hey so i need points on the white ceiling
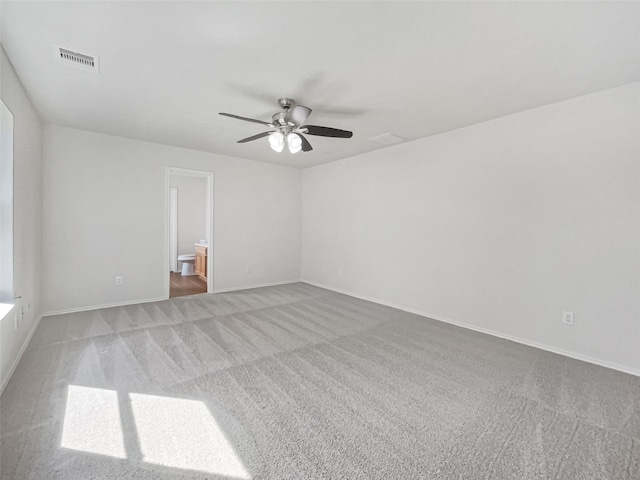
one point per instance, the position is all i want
(411, 68)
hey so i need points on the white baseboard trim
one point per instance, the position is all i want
(20, 353)
(529, 343)
(159, 299)
(257, 285)
(107, 305)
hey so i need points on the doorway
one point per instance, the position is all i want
(189, 232)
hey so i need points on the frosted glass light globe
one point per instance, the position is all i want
(295, 142)
(276, 140)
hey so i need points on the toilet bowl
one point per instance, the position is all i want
(187, 264)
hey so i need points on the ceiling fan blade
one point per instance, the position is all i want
(306, 146)
(255, 137)
(327, 131)
(246, 119)
(298, 115)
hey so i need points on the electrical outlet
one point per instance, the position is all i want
(118, 280)
(248, 269)
(339, 272)
(567, 318)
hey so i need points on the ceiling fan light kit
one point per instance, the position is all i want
(294, 142)
(289, 126)
(276, 140)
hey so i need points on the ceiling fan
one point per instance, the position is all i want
(288, 127)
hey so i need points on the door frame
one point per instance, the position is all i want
(187, 172)
(173, 229)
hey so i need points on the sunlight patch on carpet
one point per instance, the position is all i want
(180, 433)
(92, 422)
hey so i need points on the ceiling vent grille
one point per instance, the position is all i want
(387, 139)
(82, 61)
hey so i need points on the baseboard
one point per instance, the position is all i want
(159, 299)
(107, 305)
(257, 285)
(529, 343)
(20, 353)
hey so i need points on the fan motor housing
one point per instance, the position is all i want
(278, 118)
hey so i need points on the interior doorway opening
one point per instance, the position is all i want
(189, 232)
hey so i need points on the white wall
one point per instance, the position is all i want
(6, 210)
(104, 215)
(27, 217)
(192, 211)
(500, 226)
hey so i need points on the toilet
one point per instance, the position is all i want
(187, 264)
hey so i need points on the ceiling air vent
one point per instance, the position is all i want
(387, 139)
(79, 60)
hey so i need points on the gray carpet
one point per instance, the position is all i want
(298, 382)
